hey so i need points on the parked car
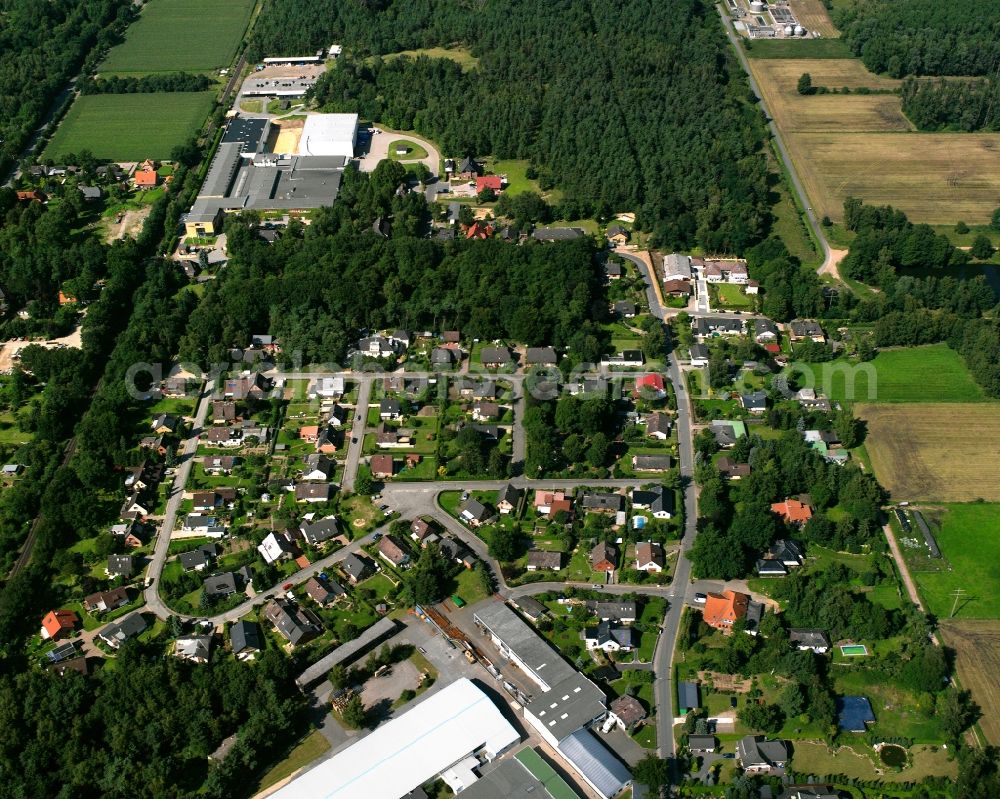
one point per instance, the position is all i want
(700, 598)
(286, 587)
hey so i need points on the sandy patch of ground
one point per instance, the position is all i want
(10, 348)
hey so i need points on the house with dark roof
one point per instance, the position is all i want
(806, 330)
(755, 402)
(758, 755)
(324, 592)
(627, 712)
(658, 500)
(604, 557)
(651, 463)
(610, 637)
(658, 425)
(540, 356)
(420, 529)
(613, 271)
(313, 492)
(474, 513)
(788, 552)
(197, 559)
(509, 498)
(315, 533)
(496, 357)
(293, 623)
(805, 638)
(698, 744)
(771, 568)
(557, 233)
(117, 633)
(709, 326)
(103, 601)
(730, 470)
(765, 331)
(699, 355)
(624, 309)
(687, 697)
(609, 504)
(540, 559)
(624, 611)
(391, 550)
(245, 639)
(616, 234)
(356, 568)
(221, 584)
(120, 566)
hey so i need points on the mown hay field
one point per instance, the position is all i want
(181, 36)
(977, 648)
(813, 16)
(862, 145)
(937, 452)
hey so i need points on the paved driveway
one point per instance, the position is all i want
(376, 148)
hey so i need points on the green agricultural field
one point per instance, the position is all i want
(181, 36)
(966, 537)
(130, 127)
(933, 373)
(798, 48)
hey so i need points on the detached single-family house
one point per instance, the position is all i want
(219, 464)
(721, 611)
(474, 513)
(293, 623)
(117, 633)
(650, 386)
(651, 463)
(610, 637)
(603, 503)
(676, 267)
(389, 408)
(509, 498)
(223, 412)
(755, 402)
(658, 426)
(788, 552)
(765, 331)
(390, 550)
(806, 330)
(624, 309)
(324, 592)
(758, 755)
(496, 357)
(613, 271)
(557, 233)
(805, 638)
(381, 466)
(420, 530)
(770, 568)
(543, 560)
(103, 601)
(318, 468)
(657, 500)
(792, 511)
(313, 492)
(318, 532)
(485, 411)
(699, 744)
(275, 547)
(604, 557)
(120, 566)
(205, 525)
(195, 648)
(245, 639)
(730, 470)
(197, 559)
(221, 584)
(356, 568)
(699, 355)
(616, 234)
(708, 326)
(687, 697)
(58, 623)
(626, 712)
(649, 557)
(540, 356)
(624, 611)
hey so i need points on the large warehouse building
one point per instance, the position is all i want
(440, 736)
(568, 703)
(329, 134)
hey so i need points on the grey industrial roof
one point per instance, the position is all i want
(546, 664)
(509, 780)
(571, 704)
(245, 130)
(381, 629)
(602, 769)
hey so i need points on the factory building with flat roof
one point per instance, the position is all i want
(568, 704)
(440, 736)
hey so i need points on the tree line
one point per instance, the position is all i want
(923, 37)
(147, 84)
(660, 124)
(42, 46)
(966, 105)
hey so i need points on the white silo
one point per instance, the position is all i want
(800, 31)
(789, 30)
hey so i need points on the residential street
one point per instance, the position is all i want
(356, 440)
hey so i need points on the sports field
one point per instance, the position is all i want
(181, 36)
(933, 373)
(938, 452)
(968, 539)
(977, 648)
(862, 145)
(130, 127)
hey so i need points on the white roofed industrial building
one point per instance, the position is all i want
(434, 737)
(329, 134)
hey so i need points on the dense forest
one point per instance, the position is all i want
(966, 105)
(637, 105)
(318, 287)
(169, 82)
(923, 37)
(42, 46)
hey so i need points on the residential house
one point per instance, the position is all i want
(604, 557)
(117, 633)
(197, 559)
(532, 608)
(758, 755)
(806, 330)
(650, 386)
(205, 525)
(540, 356)
(324, 592)
(145, 178)
(676, 267)
(451, 337)
(474, 513)
(727, 433)
(132, 533)
(540, 559)
(725, 272)
(508, 499)
(658, 426)
(205, 500)
(687, 697)
(329, 440)
(617, 234)
(651, 463)
(701, 744)
(378, 347)
(485, 411)
(420, 530)
(496, 357)
(220, 585)
(103, 601)
(624, 309)
(326, 388)
(382, 466)
(708, 326)
(195, 649)
(603, 503)
(356, 568)
(676, 288)
(275, 547)
(730, 470)
(805, 638)
(223, 411)
(254, 386)
(624, 358)
(391, 550)
(755, 402)
(699, 355)
(765, 331)
(792, 511)
(613, 271)
(219, 464)
(624, 611)
(626, 712)
(58, 623)
(549, 503)
(133, 508)
(164, 424)
(245, 639)
(226, 437)
(120, 566)
(318, 467)
(319, 532)
(610, 637)
(389, 408)
(770, 568)
(557, 233)
(721, 611)
(313, 492)
(442, 357)
(293, 623)
(649, 557)
(658, 500)
(492, 182)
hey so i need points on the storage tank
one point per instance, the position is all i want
(789, 30)
(800, 31)
(756, 6)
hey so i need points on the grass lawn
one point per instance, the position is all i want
(898, 712)
(797, 48)
(972, 552)
(469, 587)
(310, 748)
(811, 757)
(733, 296)
(181, 36)
(933, 373)
(790, 228)
(413, 150)
(380, 584)
(517, 179)
(460, 55)
(129, 127)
